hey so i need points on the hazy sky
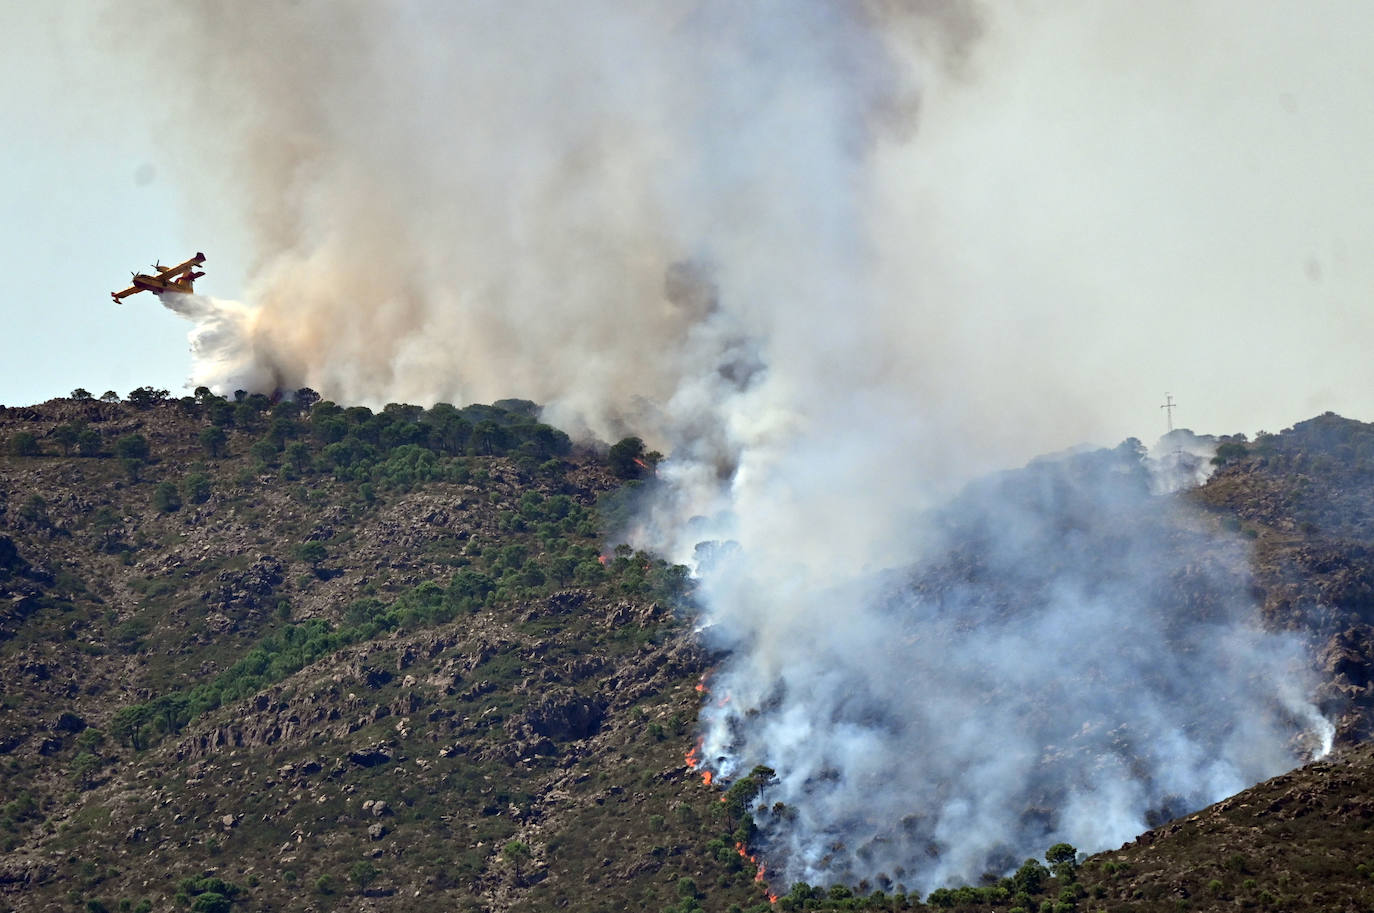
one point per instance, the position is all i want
(1141, 198)
(86, 199)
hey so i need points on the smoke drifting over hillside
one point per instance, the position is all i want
(777, 239)
(1072, 661)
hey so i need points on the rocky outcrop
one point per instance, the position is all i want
(561, 717)
(249, 589)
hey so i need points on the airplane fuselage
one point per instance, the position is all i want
(176, 279)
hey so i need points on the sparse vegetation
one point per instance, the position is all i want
(220, 662)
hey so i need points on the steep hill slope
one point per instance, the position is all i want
(367, 659)
(1305, 497)
(260, 657)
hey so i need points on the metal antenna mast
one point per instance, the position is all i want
(1168, 408)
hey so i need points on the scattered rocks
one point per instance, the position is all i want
(249, 589)
(68, 722)
(561, 717)
(369, 757)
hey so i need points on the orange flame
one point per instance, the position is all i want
(691, 757)
(603, 560)
(762, 870)
(706, 777)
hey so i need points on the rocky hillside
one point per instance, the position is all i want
(260, 658)
(1306, 499)
(295, 656)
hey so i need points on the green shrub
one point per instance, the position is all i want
(196, 488)
(166, 498)
(132, 447)
(23, 444)
(363, 873)
(89, 443)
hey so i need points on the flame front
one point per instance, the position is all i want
(691, 758)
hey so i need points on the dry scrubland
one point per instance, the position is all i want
(259, 657)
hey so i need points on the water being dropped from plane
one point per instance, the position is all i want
(221, 343)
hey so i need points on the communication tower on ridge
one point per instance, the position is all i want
(1168, 408)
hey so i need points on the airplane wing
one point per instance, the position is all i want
(168, 272)
(131, 290)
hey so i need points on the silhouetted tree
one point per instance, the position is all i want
(146, 397)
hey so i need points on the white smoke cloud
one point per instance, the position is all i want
(1074, 660)
(837, 258)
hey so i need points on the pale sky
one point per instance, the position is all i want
(86, 201)
(1207, 168)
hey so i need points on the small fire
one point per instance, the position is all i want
(706, 777)
(701, 686)
(691, 757)
(762, 870)
(603, 560)
(643, 465)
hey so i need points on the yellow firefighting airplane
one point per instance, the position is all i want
(165, 279)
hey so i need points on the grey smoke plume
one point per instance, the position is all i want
(1071, 660)
(783, 240)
